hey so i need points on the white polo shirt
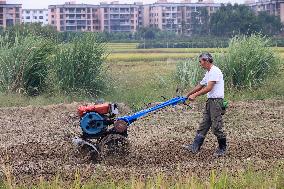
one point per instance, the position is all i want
(214, 74)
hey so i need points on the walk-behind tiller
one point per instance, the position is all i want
(105, 133)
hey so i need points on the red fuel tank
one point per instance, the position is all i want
(99, 108)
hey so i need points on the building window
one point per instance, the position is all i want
(61, 10)
(52, 22)
(28, 12)
(17, 15)
(28, 17)
(40, 12)
(35, 17)
(61, 16)
(40, 17)
(52, 10)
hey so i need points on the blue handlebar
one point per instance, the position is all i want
(172, 102)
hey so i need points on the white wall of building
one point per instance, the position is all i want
(35, 16)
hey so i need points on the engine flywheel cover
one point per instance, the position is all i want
(92, 123)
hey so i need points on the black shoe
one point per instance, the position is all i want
(222, 147)
(197, 143)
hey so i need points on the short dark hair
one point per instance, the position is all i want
(206, 57)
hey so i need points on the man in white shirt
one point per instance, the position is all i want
(213, 85)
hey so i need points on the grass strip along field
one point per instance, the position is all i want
(137, 57)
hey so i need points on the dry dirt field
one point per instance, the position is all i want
(36, 142)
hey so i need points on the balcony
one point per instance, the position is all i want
(70, 18)
(124, 17)
(9, 16)
(114, 18)
(71, 24)
(81, 23)
(81, 18)
(70, 12)
(111, 12)
(124, 12)
(71, 28)
(124, 23)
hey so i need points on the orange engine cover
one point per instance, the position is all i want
(99, 108)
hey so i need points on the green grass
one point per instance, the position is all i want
(122, 45)
(140, 82)
(165, 50)
(135, 57)
(137, 83)
(241, 180)
(142, 78)
(131, 47)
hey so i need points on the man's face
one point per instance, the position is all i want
(202, 63)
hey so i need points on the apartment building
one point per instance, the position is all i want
(74, 17)
(114, 17)
(117, 17)
(10, 14)
(273, 7)
(166, 16)
(175, 17)
(35, 16)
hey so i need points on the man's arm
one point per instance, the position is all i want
(203, 91)
(195, 89)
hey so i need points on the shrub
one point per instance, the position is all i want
(248, 61)
(78, 66)
(23, 64)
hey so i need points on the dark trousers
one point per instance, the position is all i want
(212, 117)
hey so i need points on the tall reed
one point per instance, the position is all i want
(188, 73)
(24, 64)
(78, 66)
(248, 61)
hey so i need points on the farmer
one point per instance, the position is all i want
(213, 85)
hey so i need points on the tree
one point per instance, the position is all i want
(200, 22)
(231, 20)
(269, 24)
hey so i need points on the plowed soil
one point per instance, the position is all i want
(35, 142)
